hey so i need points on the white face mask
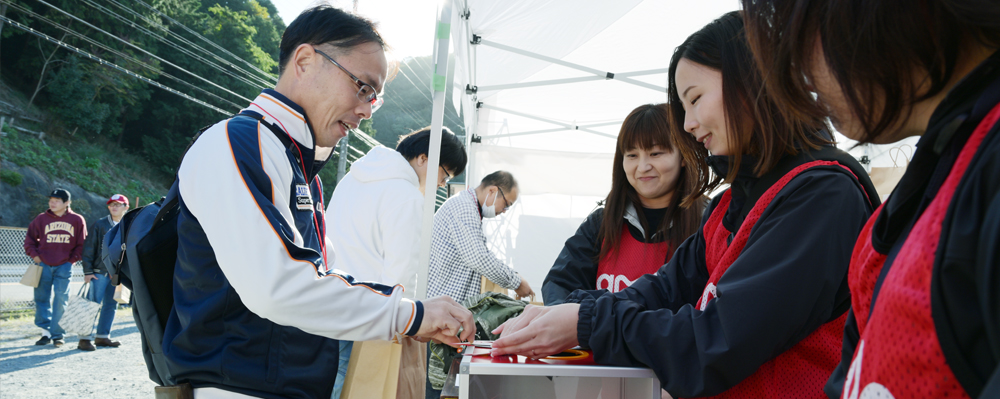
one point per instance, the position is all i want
(490, 211)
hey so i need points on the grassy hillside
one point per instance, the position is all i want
(96, 166)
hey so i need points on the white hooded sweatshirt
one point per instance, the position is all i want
(373, 220)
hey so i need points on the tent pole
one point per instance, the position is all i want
(438, 85)
(543, 119)
(607, 75)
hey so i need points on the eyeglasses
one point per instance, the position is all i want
(447, 175)
(366, 93)
(116, 204)
(509, 204)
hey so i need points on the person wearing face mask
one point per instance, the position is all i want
(375, 212)
(924, 320)
(655, 203)
(459, 256)
(753, 305)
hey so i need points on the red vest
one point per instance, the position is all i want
(802, 371)
(618, 269)
(899, 354)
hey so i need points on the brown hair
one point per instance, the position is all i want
(880, 52)
(645, 127)
(755, 125)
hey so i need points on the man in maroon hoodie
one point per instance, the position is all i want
(54, 241)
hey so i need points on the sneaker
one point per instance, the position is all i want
(85, 345)
(57, 342)
(106, 342)
(43, 341)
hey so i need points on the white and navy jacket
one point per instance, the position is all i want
(255, 309)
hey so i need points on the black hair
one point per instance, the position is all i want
(885, 55)
(417, 143)
(502, 179)
(326, 25)
(755, 125)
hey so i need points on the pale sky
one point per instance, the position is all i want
(406, 25)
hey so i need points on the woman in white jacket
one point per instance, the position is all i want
(373, 219)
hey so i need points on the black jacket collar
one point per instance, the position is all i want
(949, 128)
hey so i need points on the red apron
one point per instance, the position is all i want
(899, 354)
(802, 371)
(618, 269)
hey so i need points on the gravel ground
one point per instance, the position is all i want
(30, 371)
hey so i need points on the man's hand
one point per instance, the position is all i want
(88, 277)
(443, 318)
(524, 290)
(538, 331)
(37, 260)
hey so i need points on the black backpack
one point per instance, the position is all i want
(141, 252)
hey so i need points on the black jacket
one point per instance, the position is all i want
(92, 251)
(576, 266)
(965, 285)
(790, 278)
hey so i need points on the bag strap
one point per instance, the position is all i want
(280, 134)
(84, 290)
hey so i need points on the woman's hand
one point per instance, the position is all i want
(538, 331)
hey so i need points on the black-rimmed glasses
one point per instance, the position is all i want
(506, 208)
(366, 93)
(447, 175)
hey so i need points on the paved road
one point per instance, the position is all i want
(28, 371)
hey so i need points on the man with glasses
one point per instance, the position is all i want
(459, 256)
(374, 217)
(258, 307)
(95, 273)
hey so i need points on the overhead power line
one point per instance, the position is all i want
(260, 82)
(109, 64)
(177, 47)
(123, 55)
(203, 38)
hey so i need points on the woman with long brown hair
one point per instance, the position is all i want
(658, 180)
(754, 304)
(925, 287)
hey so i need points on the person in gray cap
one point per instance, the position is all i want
(54, 241)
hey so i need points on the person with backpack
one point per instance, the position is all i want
(651, 209)
(96, 273)
(257, 306)
(374, 217)
(753, 305)
(925, 287)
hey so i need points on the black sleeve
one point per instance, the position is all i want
(835, 385)
(788, 281)
(988, 277)
(576, 266)
(91, 249)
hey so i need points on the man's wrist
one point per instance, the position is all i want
(409, 317)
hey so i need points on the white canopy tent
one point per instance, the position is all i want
(543, 86)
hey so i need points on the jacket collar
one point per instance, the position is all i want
(949, 128)
(740, 188)
(632, 217)
(289, 116)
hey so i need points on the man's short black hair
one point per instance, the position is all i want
(417, 143)
(502, 179)
(326, 25)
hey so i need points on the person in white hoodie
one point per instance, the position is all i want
(373, 219)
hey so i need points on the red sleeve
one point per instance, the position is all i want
(77, 253)
(31, 239)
